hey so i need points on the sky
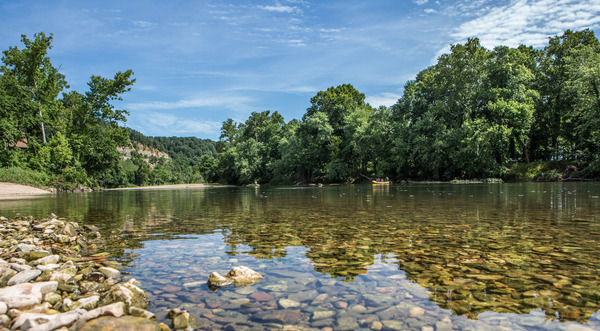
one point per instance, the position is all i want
(198, 63)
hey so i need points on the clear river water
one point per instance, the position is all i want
(513, 256)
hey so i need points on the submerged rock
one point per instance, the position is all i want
(238, 276)
(125, 323)
(216, 280)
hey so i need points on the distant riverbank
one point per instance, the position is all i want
(9, 191)
(167, 187)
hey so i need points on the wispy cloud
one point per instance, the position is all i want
(280, 9)
(383, 99)
(201, 62)
(235, 103)
(172, 125)
(529, 22)
(144, 25)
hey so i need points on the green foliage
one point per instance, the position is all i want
(513, 113)
(539, 170)
(32, 70)
(23, 176)
(474, 114)
(74, 138)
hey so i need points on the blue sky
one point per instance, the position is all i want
(198, 63)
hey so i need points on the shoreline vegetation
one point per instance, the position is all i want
(14, 190)
(533, 172)
(512, 113)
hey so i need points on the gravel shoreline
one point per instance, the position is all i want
(52, 277)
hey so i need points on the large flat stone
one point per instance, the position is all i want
(36, 321)
(24, 277)
(21, 296)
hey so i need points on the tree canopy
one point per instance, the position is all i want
(475, 113)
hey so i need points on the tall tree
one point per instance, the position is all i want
(583, 84)
(553, 136)
(337, 103)
(32, 69)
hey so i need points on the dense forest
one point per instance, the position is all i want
(476, 113)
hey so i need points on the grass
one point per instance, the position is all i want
(24, 177)
(539, 170)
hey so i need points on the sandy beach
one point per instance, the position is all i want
(17, 191)
(9, 191)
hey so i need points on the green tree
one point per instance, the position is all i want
(553, 133)
(312, 147)
(336, 103)
(583, 84)
(32, 69)
(95, 123)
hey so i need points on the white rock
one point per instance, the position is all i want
(110, 272)
(3, 308)
(60, 276)
(67, 265)
(21, 296)
(239, 276)
(18, 260)
(50, 259)
(215, 279)
(25, 248)
(116, 309)
(24, 277)
(89, 302)
(68, 303)
(46, 287)
(5, 320)
(287, 303)
(19, 267)
(48, 267)
(33, 321)
(417, 312)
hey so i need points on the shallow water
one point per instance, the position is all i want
(472, 256)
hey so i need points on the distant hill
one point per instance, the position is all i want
(183, 150)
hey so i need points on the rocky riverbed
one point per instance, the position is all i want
(52, 277)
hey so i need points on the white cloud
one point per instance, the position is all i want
(430, 11)
(529, 22)
(144, 25)
(280, 9)
(172, 125)
(238, 103)
(420, 2)
(383, 99)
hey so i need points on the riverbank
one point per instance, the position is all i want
(54, 274)
(164, 187)
(18, 191)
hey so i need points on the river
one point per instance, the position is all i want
(516, 256)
